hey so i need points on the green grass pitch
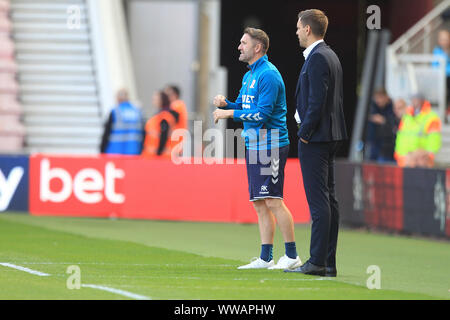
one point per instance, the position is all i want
(182, 260)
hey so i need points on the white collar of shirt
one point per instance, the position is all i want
(310, 48)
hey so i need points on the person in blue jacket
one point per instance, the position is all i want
(261, 106)
(124, 130)
(443, 50)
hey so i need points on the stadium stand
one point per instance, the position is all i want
(409, 69)
(56, 74)
(11, 130)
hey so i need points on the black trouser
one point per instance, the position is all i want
(448, 91)
(317, 161)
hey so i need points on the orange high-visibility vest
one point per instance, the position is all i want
(418, 132)
(180, 107)
(153, 135)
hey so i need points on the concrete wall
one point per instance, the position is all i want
(164, 47)
(111, 45)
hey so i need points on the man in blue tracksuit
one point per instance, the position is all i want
(261, 106)
(124, 129)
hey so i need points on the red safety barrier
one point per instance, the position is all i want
(137, 188)
(447, 222)
(383, 190)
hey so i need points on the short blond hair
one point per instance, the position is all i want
(260, 36)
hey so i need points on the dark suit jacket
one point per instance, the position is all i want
(319, 97)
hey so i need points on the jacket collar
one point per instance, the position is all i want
(307, 52)
(124, 104)
(426, 108)
(258, 62)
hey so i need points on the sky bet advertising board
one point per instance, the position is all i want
(13, 183)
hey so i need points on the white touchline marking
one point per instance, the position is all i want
(127, 264)
(117, 291)
(93, 286)
(37, 273)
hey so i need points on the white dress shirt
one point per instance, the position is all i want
(310, 48)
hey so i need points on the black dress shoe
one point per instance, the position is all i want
(309, 268)
(330, 272)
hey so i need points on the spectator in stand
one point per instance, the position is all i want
(380, 138)
(443, 50)
(400, 106)
(124, 130)
(419, 135)
(159, 128)
(387, 132)
(399, 111)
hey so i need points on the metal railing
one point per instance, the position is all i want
(410, 66)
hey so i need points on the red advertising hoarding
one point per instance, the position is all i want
(447, 218)
(76, 186)
(137, 188)
(383, 193)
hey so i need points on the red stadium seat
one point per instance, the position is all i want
(9, 105)
(5, 25)
(6, 47)
(4, 6)
(8, 65)
(8, 84)
(8, 121)
(11, 133)
(11, 142)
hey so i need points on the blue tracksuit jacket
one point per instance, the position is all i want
(261, 104)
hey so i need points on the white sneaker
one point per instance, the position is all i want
(258, 263)
(286, 263)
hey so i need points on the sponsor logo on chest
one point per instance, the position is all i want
(247, 100)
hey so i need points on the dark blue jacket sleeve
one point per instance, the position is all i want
(319, 77)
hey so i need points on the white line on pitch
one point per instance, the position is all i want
(37, 273)
(93, 286)
(128, 264)
(117, 291)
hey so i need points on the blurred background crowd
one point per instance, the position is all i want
(119, 76)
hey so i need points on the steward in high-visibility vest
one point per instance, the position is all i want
(419, 130)
(178, 105)
(124, 130)
(158, 129)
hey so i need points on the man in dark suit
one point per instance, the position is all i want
(322, 128)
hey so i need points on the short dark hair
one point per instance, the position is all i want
(316, 19)
(165, 102)
(175, 89)
(380, 91)
(260, 36)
